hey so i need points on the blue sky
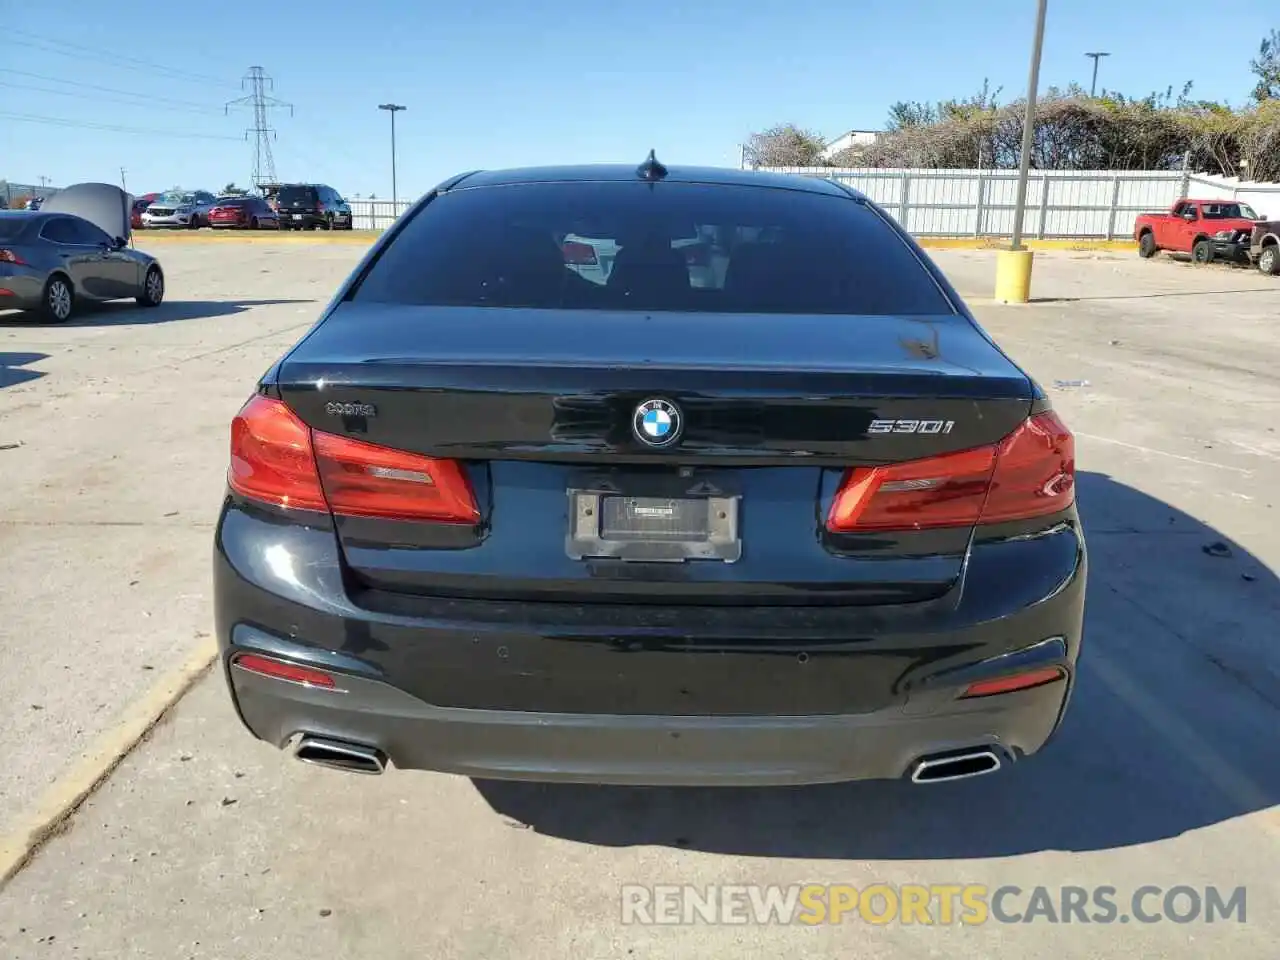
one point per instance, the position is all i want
(508, 83)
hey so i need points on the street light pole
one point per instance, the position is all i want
(393, 109)
(1098, 55)
(1028, 126)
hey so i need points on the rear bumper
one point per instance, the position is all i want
(26, 288)
(288, 219)
(280, 590)
(608, 748)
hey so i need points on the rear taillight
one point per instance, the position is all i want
(579, 254)
(365, 480)
(271, 457)
(278, 459)
(9, 256)
(1030, 473)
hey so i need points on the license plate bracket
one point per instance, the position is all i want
(651, 519)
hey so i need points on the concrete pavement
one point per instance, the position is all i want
(205, 843)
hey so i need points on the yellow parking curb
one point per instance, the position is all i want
(36, 824)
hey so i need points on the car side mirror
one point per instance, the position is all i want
(120, 243)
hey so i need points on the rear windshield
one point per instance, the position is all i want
(233, 202)
(664, 247)
(293, 194)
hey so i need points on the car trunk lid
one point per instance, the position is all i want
(536, 403)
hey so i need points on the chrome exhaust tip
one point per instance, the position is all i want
(956, 766)
(340, 755)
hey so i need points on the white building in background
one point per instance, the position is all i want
(854, 138)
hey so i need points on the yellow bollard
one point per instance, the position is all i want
(1013, 276)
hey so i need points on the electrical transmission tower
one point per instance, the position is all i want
(258, 83)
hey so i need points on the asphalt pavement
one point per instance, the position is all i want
(205, 843)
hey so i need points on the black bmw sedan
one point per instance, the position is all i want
(498, 515)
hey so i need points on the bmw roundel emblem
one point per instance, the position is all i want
(657, 423)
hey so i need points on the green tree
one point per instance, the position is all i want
(1266, 67)
(785, 145)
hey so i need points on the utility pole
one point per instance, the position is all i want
(123, 185)
(393, 109)
(258, 83)
(1097, 55)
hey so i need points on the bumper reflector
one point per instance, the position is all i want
(1018, 681)
(283, 670)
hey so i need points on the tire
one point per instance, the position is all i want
(152, 288)
(193, 223)
(1147, 245)
(58, 302)
(253, 223)
(1269, 260)
(1202, 252)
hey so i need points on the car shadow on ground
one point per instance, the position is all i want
(12, 366)
(122, 313)
(1172, 728)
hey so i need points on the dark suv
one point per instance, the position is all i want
(305, 206)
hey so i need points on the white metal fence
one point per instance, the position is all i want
(376, 214)
(1263, 197)
(1099, 204)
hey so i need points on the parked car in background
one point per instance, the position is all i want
(75, 249)
(34, 203)
(1206, 229)
(306, 206)
(270, 192)
(1264, 246)
(245, 213)
(186, 208)
(140, 204)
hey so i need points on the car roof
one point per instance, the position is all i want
(621, 172)
(34, 218)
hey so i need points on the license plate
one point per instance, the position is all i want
(295, 216)
(604, 524)
(652, 518)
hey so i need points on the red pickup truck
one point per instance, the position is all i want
(1206, 229)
